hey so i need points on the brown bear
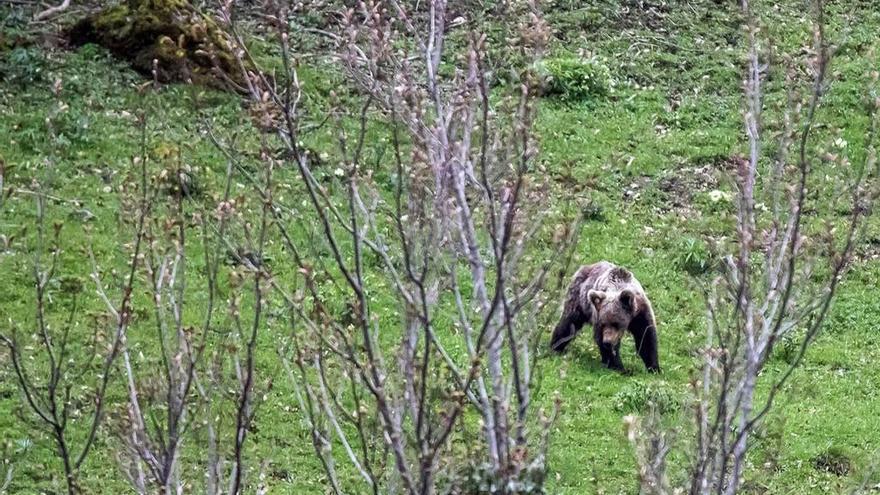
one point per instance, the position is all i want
(612, 300)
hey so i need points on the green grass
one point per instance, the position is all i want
(675, 109)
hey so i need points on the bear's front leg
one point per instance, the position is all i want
(610, 354)
(614, 361)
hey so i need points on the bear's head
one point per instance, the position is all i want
(613, 312)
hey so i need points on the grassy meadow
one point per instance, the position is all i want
(651, 158)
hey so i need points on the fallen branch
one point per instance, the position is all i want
(52, 11)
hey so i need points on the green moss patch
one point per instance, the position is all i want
(169, 36)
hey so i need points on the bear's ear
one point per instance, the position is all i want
(628, 300)
(596, 297)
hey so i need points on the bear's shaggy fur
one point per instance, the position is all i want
(612, 300)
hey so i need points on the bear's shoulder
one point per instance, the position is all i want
(617, 279)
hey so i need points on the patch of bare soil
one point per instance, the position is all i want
(633, 191)
(834, 462)
(867, 252)
(642, 13)
(679, 187)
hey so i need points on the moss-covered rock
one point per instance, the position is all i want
(186, 44)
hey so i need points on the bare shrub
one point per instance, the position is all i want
(782, 277)
(58, 379)
(380, 387)
(414, 302)
(173, 383)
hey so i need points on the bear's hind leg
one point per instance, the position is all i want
(573, 315)
(566, 330)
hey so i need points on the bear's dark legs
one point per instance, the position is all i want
(610, 353)
(611, 356)
(646, 346)
(566, 330)
(574, 315)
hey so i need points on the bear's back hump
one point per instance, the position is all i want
(613, 278)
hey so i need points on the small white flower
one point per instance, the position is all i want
(717, 196)
(840, 143)
(339, 172)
